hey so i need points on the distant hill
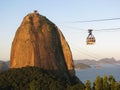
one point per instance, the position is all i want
(85, 61)
(8, 63)
(101, 61)
(108, 60)
(118, 62)
(4, 65)
(79, 64)
(82, 66)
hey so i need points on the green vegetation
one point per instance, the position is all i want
(104, 83)
(34, 78)
(88, 85)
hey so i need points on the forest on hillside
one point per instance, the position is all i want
(34, 78)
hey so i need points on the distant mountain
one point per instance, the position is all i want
(82, 66)
(118, 61)
(86, 61)
(4, 65)
(8, 63)
(108, 60)
(101, 61)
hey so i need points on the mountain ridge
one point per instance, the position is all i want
(100, 61)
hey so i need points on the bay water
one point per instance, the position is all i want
(105, 69)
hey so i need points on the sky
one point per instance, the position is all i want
(66, 14)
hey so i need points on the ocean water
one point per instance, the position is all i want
(91, 73)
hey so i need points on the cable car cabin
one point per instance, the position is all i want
(90, 39)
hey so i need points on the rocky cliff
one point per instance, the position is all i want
(38, 42)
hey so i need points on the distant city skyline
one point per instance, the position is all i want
(66, 15)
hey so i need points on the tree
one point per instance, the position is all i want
(98, 83)
(34, 85)
(111, 78)
(56, 86)
(116, 87)
(119, 84)
(77, 87)
(88, 85)
(112, 84)
(105, 83)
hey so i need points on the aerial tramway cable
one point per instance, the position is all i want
(97, 20)
(90, 40)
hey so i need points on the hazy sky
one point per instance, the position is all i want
(64, 13)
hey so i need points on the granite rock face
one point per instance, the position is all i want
(38, 42)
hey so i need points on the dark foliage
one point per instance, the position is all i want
(34, 78)
(103, 83)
